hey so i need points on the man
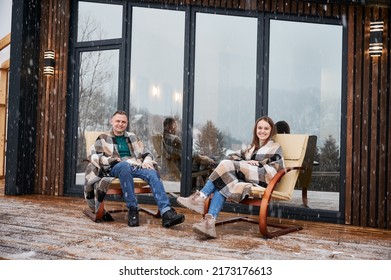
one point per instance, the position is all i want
(120, 154)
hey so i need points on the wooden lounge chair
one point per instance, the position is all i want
(298, 151)
(140, 186)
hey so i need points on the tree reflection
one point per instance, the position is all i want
(97, 89)
(326, 176)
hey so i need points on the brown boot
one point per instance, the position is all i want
(207, 227)
(194, 202)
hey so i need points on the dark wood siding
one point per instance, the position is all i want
(52, 99)
(368, 148)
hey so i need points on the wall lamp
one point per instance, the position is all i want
(48, 63)
(376, 38)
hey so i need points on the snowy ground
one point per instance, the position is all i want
(46, 227)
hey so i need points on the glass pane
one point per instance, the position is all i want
(99, 21)
(225, 83)
(156, 85)
(98, 90)
(305, 91)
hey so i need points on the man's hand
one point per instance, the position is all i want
(147, 165)
(114, 161)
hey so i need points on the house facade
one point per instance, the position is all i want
(214, 66)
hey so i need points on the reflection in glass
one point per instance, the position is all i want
(98, 21)
(305, 91)
(225, 83)
(156, 82)
(98, 95)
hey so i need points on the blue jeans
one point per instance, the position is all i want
(217, 200)
(126, 172)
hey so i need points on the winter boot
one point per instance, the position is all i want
(207, 227)
(171, 218)
(194, 202)
(133, 220)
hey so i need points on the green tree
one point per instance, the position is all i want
(329, 155)
(327, 171)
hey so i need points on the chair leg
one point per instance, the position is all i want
(98, 216)
(90, 214)
(283, 229)
(262, 222)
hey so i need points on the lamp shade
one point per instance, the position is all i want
(376, 38)
(48, 63)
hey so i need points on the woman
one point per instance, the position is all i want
(257, 164)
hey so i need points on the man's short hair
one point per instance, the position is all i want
(120, 112)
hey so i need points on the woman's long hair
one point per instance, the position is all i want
(255, 142)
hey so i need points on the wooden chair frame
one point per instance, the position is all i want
(303, 180)
(140, 187)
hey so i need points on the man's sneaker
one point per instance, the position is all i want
(207, 227)
(194, 202)
(133, 220)
(171, 218)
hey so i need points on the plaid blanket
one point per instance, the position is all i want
(236, 169)
(102, 154)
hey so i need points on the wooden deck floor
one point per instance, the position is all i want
(34, 227)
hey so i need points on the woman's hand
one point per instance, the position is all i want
(253, 162)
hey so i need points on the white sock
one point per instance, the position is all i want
(202, 195)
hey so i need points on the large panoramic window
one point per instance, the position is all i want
(305, 76)
(156, 85)
(97, 21)
(141, 69)
(224, 83)
(98, 91)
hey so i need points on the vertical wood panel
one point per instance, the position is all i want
(357, 117)
(66, 18)
(254, 4)
(375, 126)
(365, 122)
(294, 7)
(373, 167)
(307, 8)
(321, 10)
(383, 127)
(50, 186)
(314, 8)
(280, 6)
(267, 5)
(336, 10)
(41, 149)
(387, 58)
(288, 8)
(349, 116)
(300, 8)
(4, 73)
